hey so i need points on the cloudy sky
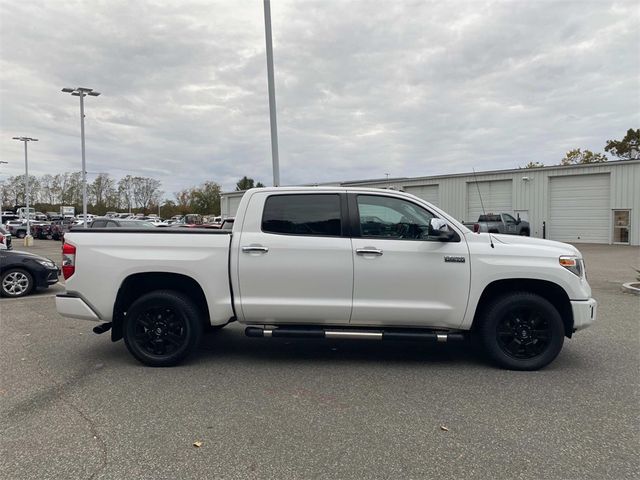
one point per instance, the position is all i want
(363, 88)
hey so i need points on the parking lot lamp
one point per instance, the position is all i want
(25, 140)
(82, 92)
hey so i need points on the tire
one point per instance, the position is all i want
(521, 331)
(162, 328)
(524, 233)
(21, 234)
(16, 283)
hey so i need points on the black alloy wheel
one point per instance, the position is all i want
(162, 328)
(521, 331)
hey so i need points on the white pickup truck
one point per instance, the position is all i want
(329, 263)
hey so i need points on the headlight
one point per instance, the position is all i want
(46, 263)
(573, 264)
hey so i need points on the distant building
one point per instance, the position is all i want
(593, 203)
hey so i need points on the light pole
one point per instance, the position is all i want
(82, 92)
(25, 140)
(2, 199)
(272, 94)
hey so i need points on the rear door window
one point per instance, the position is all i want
(311, 214)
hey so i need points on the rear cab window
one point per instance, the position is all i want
(303, 214)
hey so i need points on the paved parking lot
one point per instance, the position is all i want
(74, 405)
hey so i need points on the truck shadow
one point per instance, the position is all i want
(231, 342)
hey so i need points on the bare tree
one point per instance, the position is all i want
(101, 188)
(145, 191)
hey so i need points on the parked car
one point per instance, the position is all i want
(41, 231)
(90, 217)
(17, 228)
(301, 263)
(59, 228)
(500, 223)
(21, 273)
(52, 216)
(111, 214)
(104, 222)
(5, 239)
(7, 216)
(38, 229)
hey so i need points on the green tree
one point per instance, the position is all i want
(577, 156)
(626, 149)
(245, 183)
(205, 199)
(534, 165)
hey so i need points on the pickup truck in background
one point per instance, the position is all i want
(500, 223)
(328, 263)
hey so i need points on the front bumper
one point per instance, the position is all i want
(47, 276)
(584, 313)
(75, 307)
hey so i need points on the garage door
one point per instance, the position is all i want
(496, 196)
(579, 208)
(426, 192)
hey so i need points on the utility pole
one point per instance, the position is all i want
(272, 94)
(82, 92)
(28, 240)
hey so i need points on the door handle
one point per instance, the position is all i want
(255, 249)
(368, 251)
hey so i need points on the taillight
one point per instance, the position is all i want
(68, 260)
(476, 228)
(1, 238)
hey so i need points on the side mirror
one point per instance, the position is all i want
(438, 228)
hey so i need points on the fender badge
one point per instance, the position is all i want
(450, 258)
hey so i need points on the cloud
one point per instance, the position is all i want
(363, 88)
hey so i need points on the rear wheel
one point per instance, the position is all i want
(522, 331)
(162, 328)
(21, 233)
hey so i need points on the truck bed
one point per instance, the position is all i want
(106, 258)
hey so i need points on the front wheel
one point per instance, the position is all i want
(522, 331)
(162, 328)
(16, 283)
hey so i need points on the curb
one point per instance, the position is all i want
(631, 287)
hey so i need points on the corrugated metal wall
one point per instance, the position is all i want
(530, 191)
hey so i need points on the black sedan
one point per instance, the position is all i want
(21, 273)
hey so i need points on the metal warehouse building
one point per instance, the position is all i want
(593, 203)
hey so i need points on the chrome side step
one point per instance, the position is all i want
(394, 334)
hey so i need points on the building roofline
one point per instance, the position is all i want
(493, 172)
(353, 183)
